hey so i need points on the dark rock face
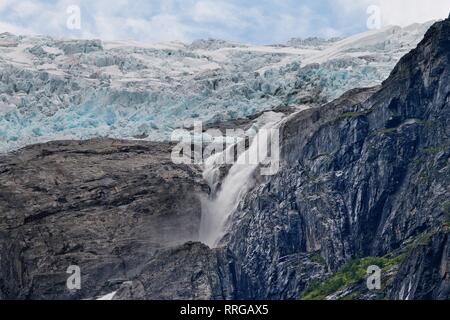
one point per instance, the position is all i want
(191, 271)
(103, 205)
(361, 177)
(425, 272)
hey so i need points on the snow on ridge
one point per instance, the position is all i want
(78, 89)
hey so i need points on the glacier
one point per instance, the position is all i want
(56, 89)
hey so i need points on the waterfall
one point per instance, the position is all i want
(217, 208)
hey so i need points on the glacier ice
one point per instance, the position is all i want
(77, 89)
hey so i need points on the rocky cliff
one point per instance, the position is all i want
(367, 175)
(364, 180)
(364, 176)
(104, 205)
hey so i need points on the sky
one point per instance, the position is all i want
(246, 21)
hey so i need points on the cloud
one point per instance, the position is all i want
(405, 12)
(215, 11)
(159, 28)
(257, 21)
(6, 27)
(352, 6)
(398, 12)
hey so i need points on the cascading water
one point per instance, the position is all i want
(218, 208)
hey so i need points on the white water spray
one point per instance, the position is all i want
(217, 210)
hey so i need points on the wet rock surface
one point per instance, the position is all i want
(103, 205)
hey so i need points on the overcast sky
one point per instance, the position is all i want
(250, 21)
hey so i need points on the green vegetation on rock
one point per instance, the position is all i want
(346, 115)
(317, 258)
(351, 273)
(387, 130)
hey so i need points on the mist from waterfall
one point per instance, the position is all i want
(217, 208)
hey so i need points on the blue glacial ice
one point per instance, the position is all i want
(79, 89)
